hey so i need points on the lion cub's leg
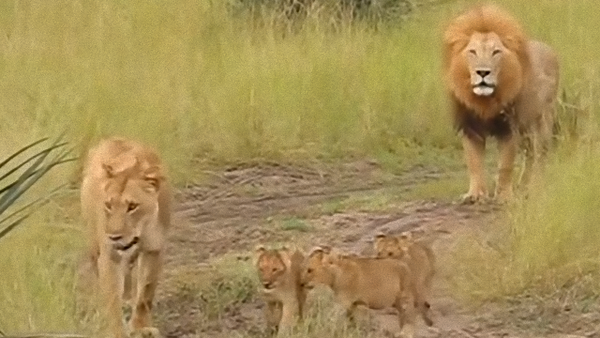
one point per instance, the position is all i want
(507, 147)
(474, 150)
(111, 289)
(149, 267)
(289, 312)
(273, 315)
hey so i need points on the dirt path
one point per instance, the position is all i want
(249, 204)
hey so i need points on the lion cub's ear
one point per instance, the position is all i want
(108, 170)
(153, 176)
(378, 239)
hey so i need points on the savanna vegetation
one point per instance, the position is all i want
(214, 82)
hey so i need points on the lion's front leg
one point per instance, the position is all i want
(474, 150)
(507, 147)
(289, 312)
(149, 268)
(111, 289)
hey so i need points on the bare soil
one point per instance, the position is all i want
(246, 204)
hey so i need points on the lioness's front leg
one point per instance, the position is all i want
(149, 268)
(507, 147)
(474, 150)
(111, 286)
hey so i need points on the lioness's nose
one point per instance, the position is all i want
(483, 72)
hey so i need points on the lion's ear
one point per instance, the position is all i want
(259, 250)
(316, 252)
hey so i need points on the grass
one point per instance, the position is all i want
(187, 77)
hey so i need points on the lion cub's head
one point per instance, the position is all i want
(130, 203)
(272, 265)
(317, 267)
(393, 246)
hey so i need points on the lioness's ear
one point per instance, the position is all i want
(153, 176)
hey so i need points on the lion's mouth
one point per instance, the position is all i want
(484, 89)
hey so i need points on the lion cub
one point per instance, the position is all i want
(419, 258)
(373, 282)
(279, 272)
(126, 203)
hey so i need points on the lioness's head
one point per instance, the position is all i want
(130, 202)
(392, 246)
(316, 269)
(271, 265)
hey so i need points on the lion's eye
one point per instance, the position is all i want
(390, 254)
(274, 269)
(107, 205)
(473, 51)
(496, 52)
(131, 206)
(309, 270)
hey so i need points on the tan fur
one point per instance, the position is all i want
(502, 84)
(420, 259)
(279, 273)
(373, 282)
(126, 202)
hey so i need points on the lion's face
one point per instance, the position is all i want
(130, 206)
(271, 267)
(484, 55)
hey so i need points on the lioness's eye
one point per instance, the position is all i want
(107, 205)
(473, 51)
(390, 254)
(309, 270)
(496, 51)
(131, 206)
(274, 269)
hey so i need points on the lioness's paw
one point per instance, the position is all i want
(145, 332)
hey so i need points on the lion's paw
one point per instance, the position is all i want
(145, 332)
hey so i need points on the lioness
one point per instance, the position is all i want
(419, 258)
(279, 272)
(374, 282)
(501, 84)
(125, 201)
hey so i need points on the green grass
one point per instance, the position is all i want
(190, 79)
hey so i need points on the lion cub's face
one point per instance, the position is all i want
(316, 268)
(271, 266)
(392, 246)
(484, 54)
(130, 204)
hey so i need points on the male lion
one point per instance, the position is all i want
(420, 260)
(279, 273)
(502, 85)
(125, 201)
(373, 282)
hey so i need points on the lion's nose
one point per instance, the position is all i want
(483, 72)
